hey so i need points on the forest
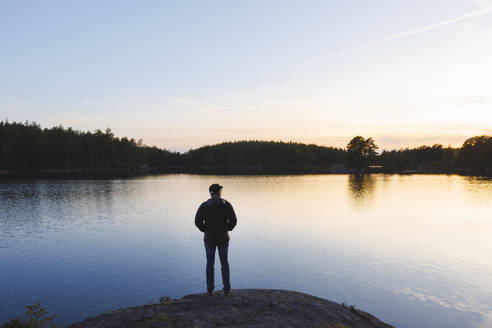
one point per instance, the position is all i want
(28, 148)
(266, 155)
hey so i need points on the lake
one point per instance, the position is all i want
(413, 250)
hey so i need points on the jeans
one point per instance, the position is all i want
(223, 250)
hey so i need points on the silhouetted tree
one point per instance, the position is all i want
(361, 152)
(25, 146)
(263, 154)
(476, 154)
(434, 158)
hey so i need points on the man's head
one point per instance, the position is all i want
(215, 190)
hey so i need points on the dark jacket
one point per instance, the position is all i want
(215, 217)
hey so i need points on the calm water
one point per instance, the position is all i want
(416, 251)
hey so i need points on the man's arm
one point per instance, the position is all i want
(199, 222)
(232, 217)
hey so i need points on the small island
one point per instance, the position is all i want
(245, 308)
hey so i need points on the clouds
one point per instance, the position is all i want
(483, 11)
(198, 77)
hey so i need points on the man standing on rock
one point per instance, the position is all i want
(215, 217)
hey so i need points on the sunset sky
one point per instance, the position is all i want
(182, 74)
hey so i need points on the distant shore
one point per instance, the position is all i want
(245, 308)
(28, 151)
(250, 170)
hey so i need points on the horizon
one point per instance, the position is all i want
(183, 75)
(379, 150)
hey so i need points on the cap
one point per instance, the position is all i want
(215, 188)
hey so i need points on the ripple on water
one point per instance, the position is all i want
(413, 250)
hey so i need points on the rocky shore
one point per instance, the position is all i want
(245, 308)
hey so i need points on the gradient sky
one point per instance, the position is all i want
(181, 74)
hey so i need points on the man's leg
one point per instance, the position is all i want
(223, 252)
(210, 250)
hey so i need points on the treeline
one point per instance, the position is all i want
(263, 154)
(28, 147)
(474, 157)
(427, 159)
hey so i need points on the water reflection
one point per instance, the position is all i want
(362, 188)
(478, 190)
(412, 250)
(34, 208)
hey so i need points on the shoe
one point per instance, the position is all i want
(210, 293)
(227, 292)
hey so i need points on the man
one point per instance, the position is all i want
(215, 217)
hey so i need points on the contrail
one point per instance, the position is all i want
(412, 32)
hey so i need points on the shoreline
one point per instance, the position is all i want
(83, 174)
(245, 308)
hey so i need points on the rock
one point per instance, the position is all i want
(245, 308)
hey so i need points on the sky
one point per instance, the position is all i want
(182, 74)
